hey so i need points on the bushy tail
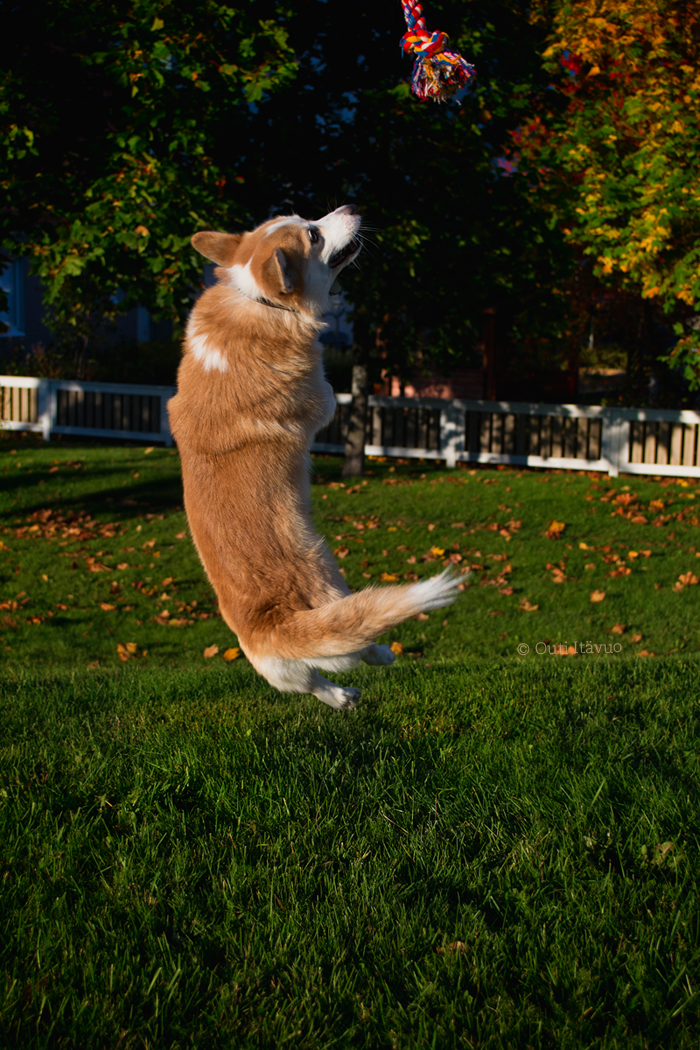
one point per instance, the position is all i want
(349, 624)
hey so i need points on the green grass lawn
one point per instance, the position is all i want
(492, 850)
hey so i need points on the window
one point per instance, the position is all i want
(12, 283)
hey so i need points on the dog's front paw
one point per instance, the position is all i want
(379, 655)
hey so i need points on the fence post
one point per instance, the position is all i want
(612, 440)
(43, 407)
(451, 433)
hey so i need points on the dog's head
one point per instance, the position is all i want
(289, 261)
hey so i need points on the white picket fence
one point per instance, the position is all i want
(613, 440)
(61, 406)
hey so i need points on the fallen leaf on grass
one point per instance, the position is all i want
(341, 552)
(678, 587)
(388, 577)
(527, 606)
(645, 652)
(96, 566)
(129, 651)
(180, 535)
(107, 607)
(231, 654)
(636, 638)
(619, 628)
(456, 946)
(506, 591)
(598, 596)
(555, 530)
(688, 579)
(210, 651)
(397, 648)
(421, 617)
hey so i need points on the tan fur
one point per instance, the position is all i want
(251, 395)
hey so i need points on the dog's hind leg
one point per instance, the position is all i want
(378, 655)
(300, 676)
(342, 698)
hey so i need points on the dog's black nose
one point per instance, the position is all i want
(349, 209)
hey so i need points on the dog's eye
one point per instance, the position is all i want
(313, 235)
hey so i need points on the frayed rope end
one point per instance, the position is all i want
(439, 72)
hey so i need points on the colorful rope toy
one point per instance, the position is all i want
(439, 71)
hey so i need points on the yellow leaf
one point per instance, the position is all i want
(437, 551)
(166, 582)
(210, 651)
(527, 606)
(107, 607)
(598, 596)
(231, 654)
(396, 648)
(388, 577)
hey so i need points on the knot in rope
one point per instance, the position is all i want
(439, 71)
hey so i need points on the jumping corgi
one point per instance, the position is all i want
(251, 396)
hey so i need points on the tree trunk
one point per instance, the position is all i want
(354, 464)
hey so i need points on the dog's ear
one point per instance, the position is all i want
(221, 248)
(279, 273)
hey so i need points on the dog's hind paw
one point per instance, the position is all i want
(378, 655)
(342, 699)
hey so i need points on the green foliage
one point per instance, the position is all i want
(615, 150)
(107, 116)
(449, 232)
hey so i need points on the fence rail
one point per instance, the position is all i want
(613, 440)
(60, 406)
